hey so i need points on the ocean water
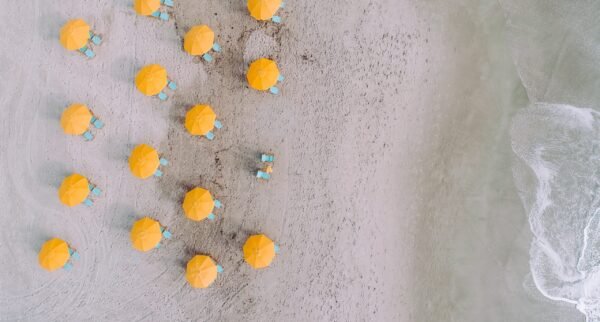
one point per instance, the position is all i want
(556, 143)
(557, 173)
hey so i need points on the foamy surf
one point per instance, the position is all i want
(557, 173)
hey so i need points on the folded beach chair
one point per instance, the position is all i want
(267, 158)
(166, 234)
(97, 123)
(168, 3)
(161, 15)
(96, 39)
(95, 190)
(88, 136)
(263, 175)
(87, 51)
(74, 254)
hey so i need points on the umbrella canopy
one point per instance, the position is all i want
(54, 254)
(262, 74)
(259, 251)
(201, 271)
(74, 34)
(200, 120)
(145, 234)
(199, 40)
(198, 204)
(73, 190)
(76, 119)
(263, 9)
(151, 79)
(143, 161)
(146, 7)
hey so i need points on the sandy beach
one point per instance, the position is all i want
(392, 196)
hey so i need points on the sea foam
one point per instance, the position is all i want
(557, 173)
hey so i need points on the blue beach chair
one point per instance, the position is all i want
(161, 15)
(162, 96)
(68, 266)
(88, 202)
(95, 190)
(210, 135)
(167, 234)
(168, 3)
(96, 39)
(74, 254)
(207, 57)
(274, 90)
(219, 268)
(267, 158)
(216, 47)
(88, 136)
(211, 217)
(172, 85)
(276, 249)
(218, 124)
(276, 19)
(164, 161)
(218, 204)
(263, 175)
(158, 173)
(87, 52)
(280, 78)
(97, 123)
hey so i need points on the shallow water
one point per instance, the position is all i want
(492, 246)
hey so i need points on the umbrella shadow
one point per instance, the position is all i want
(55, 105)
(119, 152)
(124, 216)
(39, 239)
(121, 69)
(52, 173)
(50, 24)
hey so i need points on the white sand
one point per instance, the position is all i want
(392, 162)
(338, 204)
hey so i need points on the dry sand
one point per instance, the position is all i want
(343, 131)
(391, 187)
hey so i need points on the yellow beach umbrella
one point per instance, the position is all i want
(143, 161)
(201, 271)
(262, 74)
(198, 204)
(199, 40)
(259, 251)
(200, 120)
(76, 119)
(73, 190)
(151, 79)
(54, 254)
(74, 34)
(263, 9)
(145, 234)
(146, 7)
